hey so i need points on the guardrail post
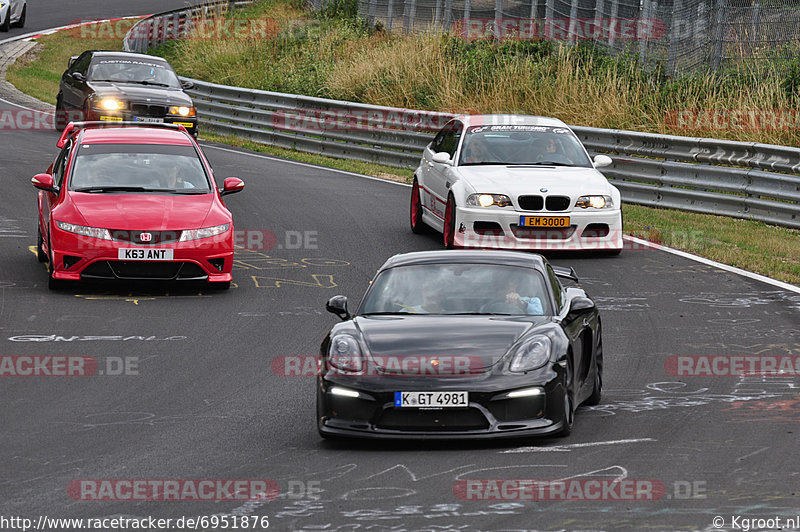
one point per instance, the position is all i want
(718, 43)
(613, 24)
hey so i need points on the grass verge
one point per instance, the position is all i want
(753, 246)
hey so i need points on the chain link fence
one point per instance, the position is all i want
(678, 35)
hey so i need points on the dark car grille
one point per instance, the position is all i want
(531, 203)
(158, 111)
(537, 203)
(428, 420)
(144, 270)
(156, 237)
(547, 233)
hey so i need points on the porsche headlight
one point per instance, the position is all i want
(531, 354)
(181, 110)
(595, 202)
(94, 232)
(488, 200)
(344, 353)
(110, 104)
(206, 232)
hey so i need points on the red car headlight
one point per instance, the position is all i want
(206, 232)
(94, 232)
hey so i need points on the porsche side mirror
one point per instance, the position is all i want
(441, 157)
(231, 185)
(44, 182)
(186, 84)
(601, 161)
(338, 305)
(580, 304)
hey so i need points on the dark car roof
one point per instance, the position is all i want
(504, 258)
(127, 55)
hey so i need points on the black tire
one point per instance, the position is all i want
(569, 413)
(449, 233)
(41, 256)
(21, 22)
(61, 114)
(597, 390)
(418, 227)
(6, 25)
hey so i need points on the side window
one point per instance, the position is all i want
(558, 291)
(60, 164)
(81, 64)
(447, 139)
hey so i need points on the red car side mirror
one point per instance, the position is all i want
(231, 185)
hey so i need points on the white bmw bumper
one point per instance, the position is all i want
(489, 227)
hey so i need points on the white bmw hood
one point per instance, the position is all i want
(516, 180)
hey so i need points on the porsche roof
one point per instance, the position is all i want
(505, 258)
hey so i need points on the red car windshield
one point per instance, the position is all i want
(106, 168)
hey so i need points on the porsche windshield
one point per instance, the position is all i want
(458, 289)
(102, 168)
(522, 145)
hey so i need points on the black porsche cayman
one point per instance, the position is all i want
(451, 344)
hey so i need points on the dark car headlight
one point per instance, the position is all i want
(531, 354)
(344, 353)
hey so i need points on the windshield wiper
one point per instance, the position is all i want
(145, 82)
(486, 163)
(113, 189)
(545, 163)
(480, 314)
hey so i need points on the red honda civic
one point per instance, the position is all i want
(133, 202)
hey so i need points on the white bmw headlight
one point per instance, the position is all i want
(488, 200)
(206, 232)
(344, 353)
(94, 232)
(595, 202)
(531, 354)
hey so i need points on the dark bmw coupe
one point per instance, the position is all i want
(109, 86)
(452, 344)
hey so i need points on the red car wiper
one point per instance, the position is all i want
(92, 190)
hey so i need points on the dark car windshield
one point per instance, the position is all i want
(123, 70)
(522, 145)
(458, 289)
(138, 168)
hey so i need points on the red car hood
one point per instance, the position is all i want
(155, 212)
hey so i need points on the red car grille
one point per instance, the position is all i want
(144, 270)
(141, 237)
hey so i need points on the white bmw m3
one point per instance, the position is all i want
(12, 13)
(515, 182)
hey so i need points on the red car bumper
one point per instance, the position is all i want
(77, 257)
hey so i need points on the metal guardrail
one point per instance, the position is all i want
(172, 25)
(739, 179)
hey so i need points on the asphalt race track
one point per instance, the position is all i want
(45, 14)
(200, 400)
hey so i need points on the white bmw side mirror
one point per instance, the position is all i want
(441, 157)
(601, 161)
